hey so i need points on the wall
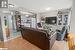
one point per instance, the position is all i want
(55, 13)
(49, 13)
(72, 25)
(46, 14)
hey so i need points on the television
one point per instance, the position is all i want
(51, 20)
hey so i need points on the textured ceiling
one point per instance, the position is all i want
(41, 5)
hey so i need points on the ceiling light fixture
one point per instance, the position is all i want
(22, 12)
(11, 5)
(48, 8)
(27, 15)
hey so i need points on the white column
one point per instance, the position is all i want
(38, 18)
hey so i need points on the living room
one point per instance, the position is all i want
(37, 25)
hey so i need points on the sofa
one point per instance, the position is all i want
(40, 38)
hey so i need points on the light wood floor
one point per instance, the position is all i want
(21, 44)
(60, 45)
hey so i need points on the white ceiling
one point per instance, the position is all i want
(41, 5)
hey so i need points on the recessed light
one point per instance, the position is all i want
(26, 15)
(48, 8)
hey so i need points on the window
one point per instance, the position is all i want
(4, 4)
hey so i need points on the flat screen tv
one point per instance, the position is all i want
(51, 20)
